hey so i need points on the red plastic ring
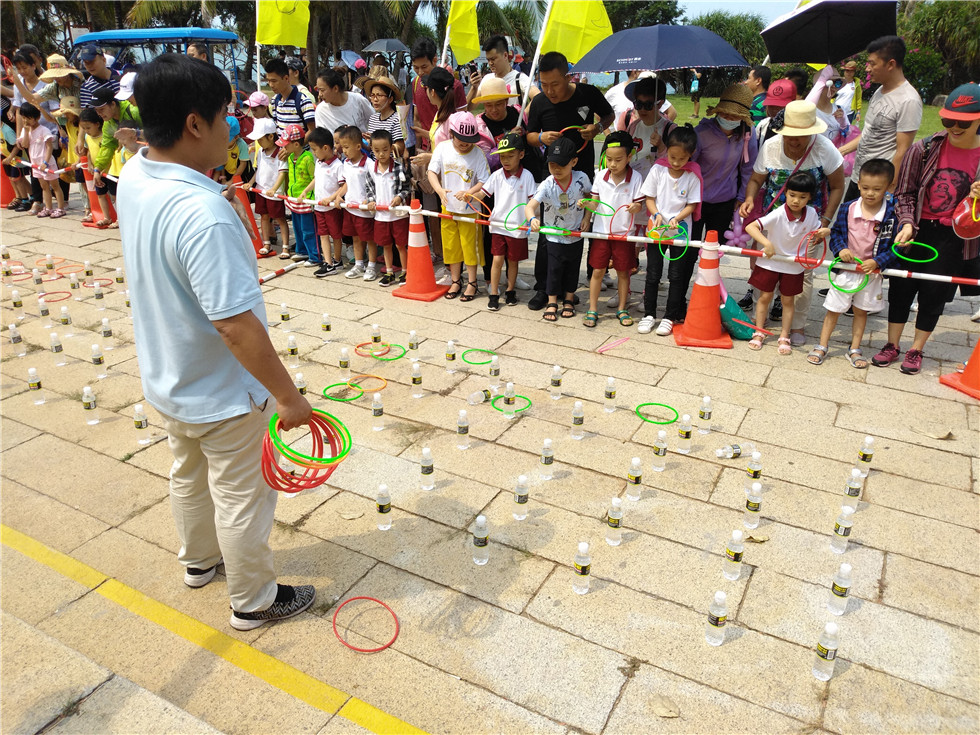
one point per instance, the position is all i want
(366, 650)
(372, 353)
(56, 260)
(802, 258)
(18, 277)
(102, 281)
(49, 300)
(63, 270)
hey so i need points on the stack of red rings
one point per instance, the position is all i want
(317, 468)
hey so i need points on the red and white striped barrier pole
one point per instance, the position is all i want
(275, 274)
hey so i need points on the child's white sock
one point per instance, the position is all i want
(360, 263)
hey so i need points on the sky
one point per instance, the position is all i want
(768, 9)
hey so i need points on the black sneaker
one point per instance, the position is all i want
(850, 311)
(199, 577)
(402, 278)
(300, 598)
(746, 301)
(387, 279)
(776, 313)
(537, 301)
(823, 291)
(510, 298)
(493, 302)
(325, 269)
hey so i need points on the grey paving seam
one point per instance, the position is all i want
(74, 705)
(632, 666)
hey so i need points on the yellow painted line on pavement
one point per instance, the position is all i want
(261, 665)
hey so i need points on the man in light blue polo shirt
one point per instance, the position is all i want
(205, 357)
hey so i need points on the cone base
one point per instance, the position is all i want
(403, 292)
(724, 342)
(955, 381)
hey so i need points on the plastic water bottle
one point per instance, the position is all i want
(823, 662)
(99, 295)
(284, 318)
(99, 361)
(583, 569)
(377, 413)
(840, 589)
(733, 451)
(481, 541)
(842, 530)
(714, 629)
(753, 506)
(494, 374)
(292, 350)
(417, 391)
(142, 423)
(126, 300)
(733, 556)
(300, 382)
(74, 285)
(344, 363)
(58, 349)
(44, 312)
(852, 490)
(865, 455)
(18, 303)
(90, 405)
(326, 328)
(105, 330)
(578, 421)
(614, 523)
(383, 501)
(547, 470)
(49, 262)
(684, 435)
(427, 470)
(66, 321)
(119, 276)
(510, 400)
(36, 277)
(34, 385)
(479, 396)
(634, 476)
(610, 395)
(17, 339)
(660, 452)
(520, 498)
(704, 416)
(463, 431)
(555, 382)
(375, 334)
(753, 473)
(413, 340)
(450, 357)
(88, 272)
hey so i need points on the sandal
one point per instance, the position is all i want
(591, 319)
(469, 296)
(817, 355)
(785, 346)
(113, 226)
(284, 255)
(551, 313)
(453, 294)
(88, 218)
(265, 249)
(756, 342)
(57, 213)
(567, 309)
(103, 223)
(625, 320)
(856, 358)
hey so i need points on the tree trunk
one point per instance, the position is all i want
(409, 21)
(19, 22)
(89, 21)
(117, 9)
(333, 30)
(313, 43)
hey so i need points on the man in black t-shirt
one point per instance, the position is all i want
(563, 104)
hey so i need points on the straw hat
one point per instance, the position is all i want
(852, 65)
(492, 89)
(57, 68)
(735, 101)
(69, 104)
(800, 118)
(385, 82)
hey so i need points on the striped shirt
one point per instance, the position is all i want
(297, 109)
(391, 124)
(93, 84)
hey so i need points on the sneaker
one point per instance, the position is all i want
(796, 339)
(24, 205)
(297, 257)
(538, 301)
(387, 279)
(312, 264)
(200, 577)
(912, 363)
(402, 278)
(823, 291)
(975, 317)
(914, 307)
(776, 312)
(510, 297)
(302, 597)
(613, 301)
(888, 355)
(371, 273)
(325, 269)
(646, 324)
(356, 272)
(522, 285)
(493, 302)
(608, 282)
(665, 328)
(445, 280)
(442, 272)
(747, 301)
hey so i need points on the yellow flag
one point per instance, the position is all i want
(464, 38)
(575, 27)
(282, 22)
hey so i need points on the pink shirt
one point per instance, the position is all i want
(861, 232)
(36, 140)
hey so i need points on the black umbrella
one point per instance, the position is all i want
(654, 48)
(386, 46)
(828, 30)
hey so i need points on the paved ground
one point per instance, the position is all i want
(99, 633)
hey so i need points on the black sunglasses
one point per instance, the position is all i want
(961, 124)
(838, 83)
(640, 105)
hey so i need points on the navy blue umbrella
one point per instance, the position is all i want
(828, 30)
(654, 48)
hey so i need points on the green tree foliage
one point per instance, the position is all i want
(741, 30)
(625, 14)
(948, 28)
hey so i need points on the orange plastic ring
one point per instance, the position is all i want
(355, 383)
(55, 260)
(372, 353)
(63, 270)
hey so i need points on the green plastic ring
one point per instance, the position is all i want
(507, 219)
(830, 277)
(660, 247)
(477, 349)
(396, 357)
(342, 400)
(289, 452)
(516, 410)
(935, 252)
(651, 421)
(604, 204)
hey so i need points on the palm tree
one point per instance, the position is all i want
(144, 12)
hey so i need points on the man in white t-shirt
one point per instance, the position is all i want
(500, 61)
(338, 107)
(894, 112)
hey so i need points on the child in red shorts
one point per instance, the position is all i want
(389, 184)
(267, 168)
(329, 220)
(616, 190)
(358, 223)
(784, 228)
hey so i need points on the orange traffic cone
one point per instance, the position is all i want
(253, 229)
(969, 380)
(7, 194)
(702, 327)
(421, 284)
(93, 200)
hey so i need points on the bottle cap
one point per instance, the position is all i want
(610, 381)
(756, 456)
(855, 473)
(481, 520)
(343, 351)
(375, 326)
(462, 413)
(15, 294)
(583, 547)
(578, 405)
(661, 434)
(522, 480)
(869, 440)
(555, 369)
(87, 389)
(382, 488)
(64, 309)
(831, 629)
(617, 502)
(720, 597)
(737, 536)
(282, 306)
(95, 349)
(325, 316)
(291, 339)
(410, 334)
(635, 461)
(73, 278)
(54, 336)
(299, 376)
(757, 487)
(416, 368)
(32, 372)
(105, 322)
(706, 400)
(40, 302)
(847, 511)
(510, 386)
(450, 344)
(845, 569)
(547, 443)
(686, 418)
(494, 359)
(377, 398)
(138, 408)
(426, 452)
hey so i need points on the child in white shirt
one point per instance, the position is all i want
(329, 221)
(389, 185)
(358, 223)
(271, 210)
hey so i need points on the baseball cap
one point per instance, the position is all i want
(234, 127)
(103, 97)
(257, 99)
(126, 86)
(294, 63)
(463, 126)
(263, 126)
(438, 79)
(852, 64)
(780, 93)
(510, 142)
(89, 52)
(292, 133)
(963, 103)
(562, 151)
